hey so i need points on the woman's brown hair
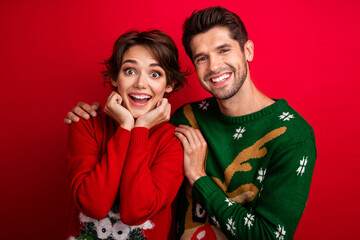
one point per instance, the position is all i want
(161, 46)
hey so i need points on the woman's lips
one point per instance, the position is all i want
(139, 99)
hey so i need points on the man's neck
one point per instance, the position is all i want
(247, 100)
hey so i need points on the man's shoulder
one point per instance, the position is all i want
(179, 115)
(197, 104)
(297, 127)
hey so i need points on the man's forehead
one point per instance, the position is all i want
(212, 39)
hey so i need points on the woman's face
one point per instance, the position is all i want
(141, 81)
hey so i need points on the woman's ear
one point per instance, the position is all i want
(114, 83)
(169, 88)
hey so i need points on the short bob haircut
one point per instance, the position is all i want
(208, 18)
(159, 44)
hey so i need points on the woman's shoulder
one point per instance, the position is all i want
(95, 125)
(163, 128)
(164, 132)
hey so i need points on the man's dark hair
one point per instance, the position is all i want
(159, 44)
(208, 18)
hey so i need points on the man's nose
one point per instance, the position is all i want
(214, 63)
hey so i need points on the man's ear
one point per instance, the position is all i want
(169, 88)
(114, 83)
(249, 50)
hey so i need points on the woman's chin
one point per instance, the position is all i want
(136, 113)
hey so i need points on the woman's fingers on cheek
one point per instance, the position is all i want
(160, 103)
(168, 112)
(109, 97)
(113, 96)
(164, 101)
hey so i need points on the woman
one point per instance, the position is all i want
(126, 165)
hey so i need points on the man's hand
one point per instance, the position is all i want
(116, 111)
(83, 110)
(156, 116)
(195, 148)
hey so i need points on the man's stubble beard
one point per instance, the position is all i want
(239, 81)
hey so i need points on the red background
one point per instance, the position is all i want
(305, 51)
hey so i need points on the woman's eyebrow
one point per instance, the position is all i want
(154, 65)
(129, 61)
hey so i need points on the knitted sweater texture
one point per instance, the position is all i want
(122, 182)
(259, 169)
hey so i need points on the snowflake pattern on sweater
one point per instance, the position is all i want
(241, 168)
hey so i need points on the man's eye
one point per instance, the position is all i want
(201, 59)
(224, 50)
(129, 71)
(155, 74)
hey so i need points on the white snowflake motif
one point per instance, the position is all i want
(249, 220)
(280, 233)
(230, 226)
(239, 133)
(261, 176)
(301, 169)
(286, 116)
(216, 222)
(229, 201)
(204, 104)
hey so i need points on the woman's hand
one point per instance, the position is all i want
(161, 113)
(117, 112)
(195, 150)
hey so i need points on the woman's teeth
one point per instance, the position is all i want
(140, 98)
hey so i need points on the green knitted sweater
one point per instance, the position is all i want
(259, 168)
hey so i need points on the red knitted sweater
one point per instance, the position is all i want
(135, 174)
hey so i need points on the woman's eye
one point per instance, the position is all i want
(155, 74)
(129, 71)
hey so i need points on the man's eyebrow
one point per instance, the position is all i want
(154, 65)
(198, 55)
(225, 45)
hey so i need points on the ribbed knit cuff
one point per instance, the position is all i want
(121, 137)
(203, 188)
(139, 137)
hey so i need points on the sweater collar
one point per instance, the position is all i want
(248, 117)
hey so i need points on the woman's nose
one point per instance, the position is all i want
(141, 81)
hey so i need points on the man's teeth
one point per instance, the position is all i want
(219, 79)
(140, 96)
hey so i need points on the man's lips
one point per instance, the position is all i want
(220, 78)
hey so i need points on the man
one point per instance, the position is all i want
(248, 158)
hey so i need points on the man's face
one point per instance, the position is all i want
(220, 64)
